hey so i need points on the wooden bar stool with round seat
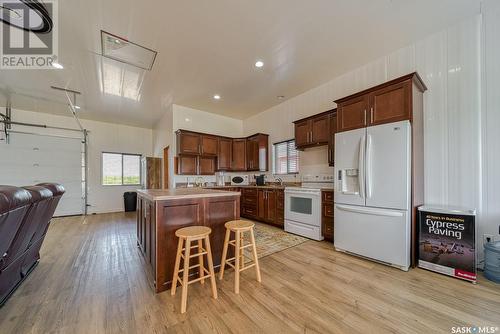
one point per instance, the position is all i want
(188, 235)
(239, 227)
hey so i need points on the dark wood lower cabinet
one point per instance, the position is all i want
(158, 220)
(267, 206)
(262, 204)
(327, 214)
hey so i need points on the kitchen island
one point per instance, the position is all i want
(161, 212)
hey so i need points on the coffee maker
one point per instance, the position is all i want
(260, 179)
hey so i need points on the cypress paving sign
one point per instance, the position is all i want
(447, 242)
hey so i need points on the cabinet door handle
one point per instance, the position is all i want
(365, 116)
(371, 115)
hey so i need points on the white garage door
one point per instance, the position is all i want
(30, 159)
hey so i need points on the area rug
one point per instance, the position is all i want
(270, 239)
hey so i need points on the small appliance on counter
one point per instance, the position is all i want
(239, 180)
(220, 179)
(260, 180)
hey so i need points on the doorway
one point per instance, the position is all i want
(165, 167)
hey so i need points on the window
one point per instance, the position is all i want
(121, 169)
(286, 158)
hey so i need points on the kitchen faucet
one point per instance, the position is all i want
(279, 180)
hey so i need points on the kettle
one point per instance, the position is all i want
(260, 179)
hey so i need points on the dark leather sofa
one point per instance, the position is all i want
(25, 214)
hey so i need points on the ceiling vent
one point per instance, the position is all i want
(124, 51)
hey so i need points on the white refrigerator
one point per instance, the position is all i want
(373, 193)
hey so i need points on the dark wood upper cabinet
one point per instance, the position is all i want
(320, 129)
(331, 139)
(252, 154)
(256, 146)
(187, 165)
(239, 155)
(302, 133)
(195, 165)
(206, 166)
(208, 145)
(351, 114)
(224, 154)
(312, 131)
(390, 104)
(188, 142)
(257, 152)
(385, 103)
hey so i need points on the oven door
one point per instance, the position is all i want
(303, 206)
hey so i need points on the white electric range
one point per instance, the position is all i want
(303, 206)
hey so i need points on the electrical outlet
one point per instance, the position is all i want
(487, 238)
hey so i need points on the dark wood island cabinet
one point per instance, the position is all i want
(161, 212)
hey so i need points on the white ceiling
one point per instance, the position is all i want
(210, 47)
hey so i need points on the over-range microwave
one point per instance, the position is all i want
(239, 180)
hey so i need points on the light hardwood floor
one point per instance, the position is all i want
(90, 280)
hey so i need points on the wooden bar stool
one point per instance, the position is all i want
(239, 227)
(189, 235)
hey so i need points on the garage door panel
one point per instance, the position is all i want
(31, 159)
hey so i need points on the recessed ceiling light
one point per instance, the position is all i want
(259, 63)
(187, 119)
(57, 65)
(217, 96)
(77, 107)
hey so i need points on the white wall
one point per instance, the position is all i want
(490, 215)
(103, 137)
(201, 121)
(180, 117)
(450, 64)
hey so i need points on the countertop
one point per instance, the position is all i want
(248, 186)
(182, 193)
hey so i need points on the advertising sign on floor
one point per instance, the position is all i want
(447, 239)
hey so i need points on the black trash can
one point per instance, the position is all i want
(130, 201)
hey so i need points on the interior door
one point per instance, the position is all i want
(349, 167)
(388, 165)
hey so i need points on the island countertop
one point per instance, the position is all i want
(181, 193)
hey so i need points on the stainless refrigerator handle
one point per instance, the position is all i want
(361, 166)
(369, 166)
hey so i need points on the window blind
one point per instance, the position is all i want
(286, 158)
